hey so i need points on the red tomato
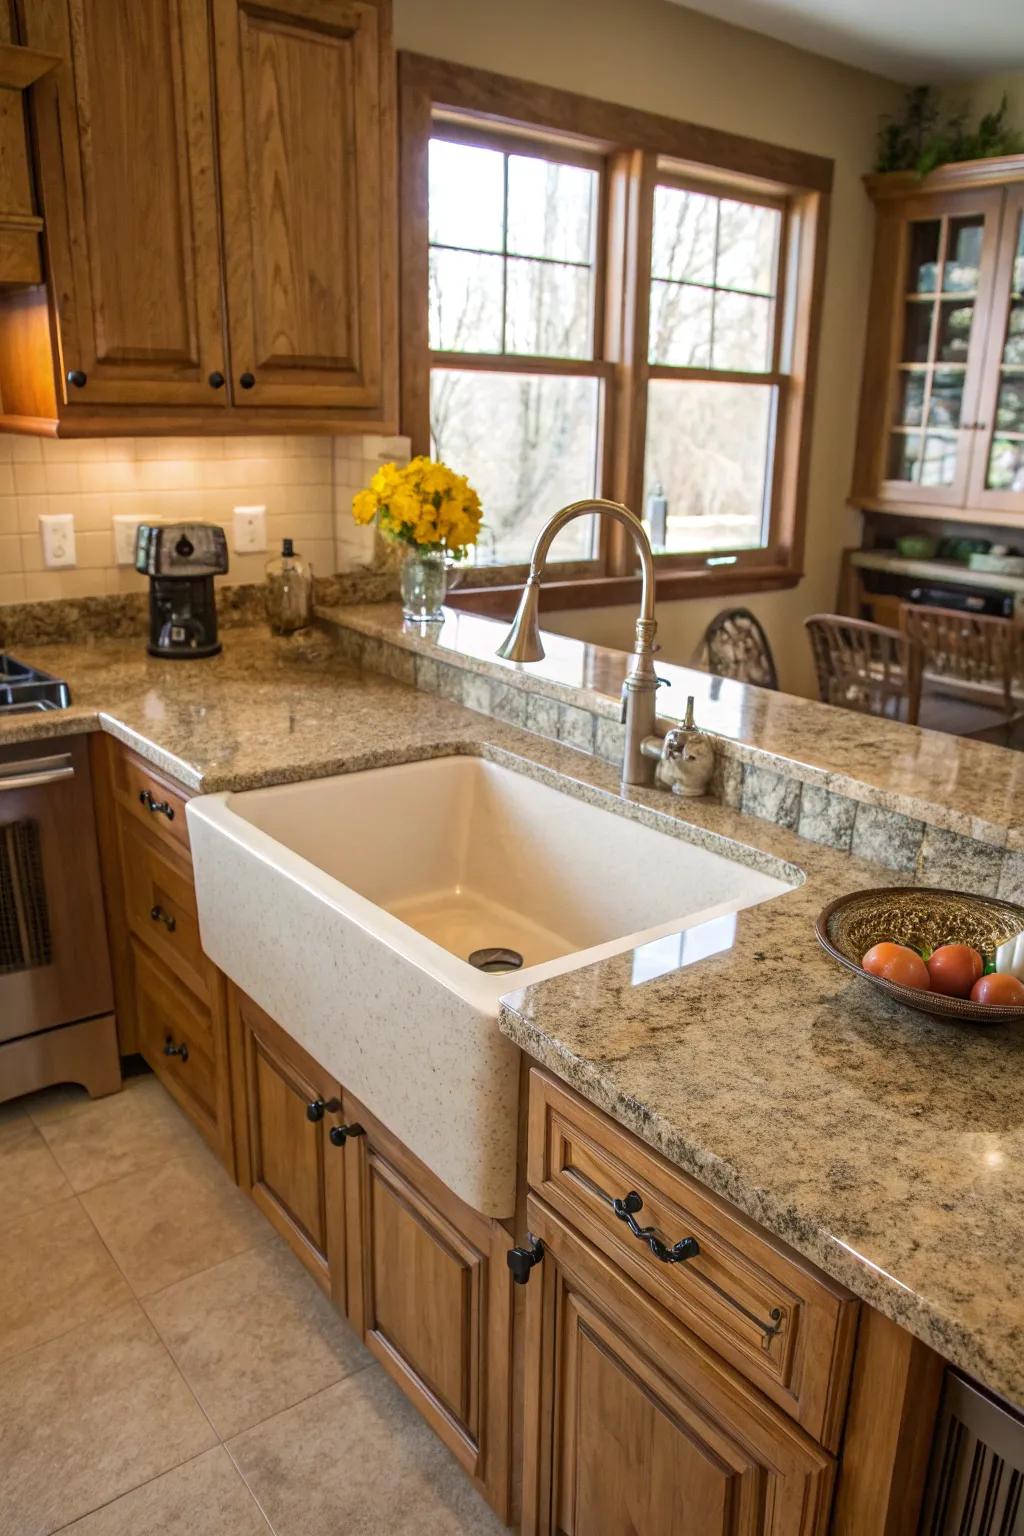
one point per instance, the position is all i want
(954, 968)
(998, 988)
(895, 962)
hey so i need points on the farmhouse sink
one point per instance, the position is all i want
(349, 907)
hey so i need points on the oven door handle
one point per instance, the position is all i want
(36, 772)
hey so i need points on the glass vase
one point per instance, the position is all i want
(423, 577)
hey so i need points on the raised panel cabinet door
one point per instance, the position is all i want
(305, 127)
(429, 1294)
(634, 1428)
(126, 151)
(286, 1157)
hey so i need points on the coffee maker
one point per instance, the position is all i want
(181, 560)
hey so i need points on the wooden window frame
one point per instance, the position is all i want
(639, 150)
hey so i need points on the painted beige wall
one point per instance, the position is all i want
(656, 55)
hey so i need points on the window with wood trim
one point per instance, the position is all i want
(597, 301)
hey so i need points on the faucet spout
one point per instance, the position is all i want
(639, 691)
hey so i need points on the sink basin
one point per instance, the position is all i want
(348, 908)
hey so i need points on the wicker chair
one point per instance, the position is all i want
(866, 667)
(973, 655)
(735, 645)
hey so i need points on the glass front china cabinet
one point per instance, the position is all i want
(942, 403)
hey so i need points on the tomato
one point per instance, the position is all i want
(897, 963)
(998, 988)
(954, 968)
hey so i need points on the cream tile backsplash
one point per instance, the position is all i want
(306, 483)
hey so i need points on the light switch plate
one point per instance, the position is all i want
(125, 533)
(57, 532)
(250, 530)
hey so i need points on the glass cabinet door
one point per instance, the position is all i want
(997, 470)
(940, 327)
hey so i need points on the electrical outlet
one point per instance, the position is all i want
(126, 529)
(250, 530)
(57, 532)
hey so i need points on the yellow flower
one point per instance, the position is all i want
(364, 507)
(425, 503)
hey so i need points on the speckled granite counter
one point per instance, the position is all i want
(886, 1147)
(967, 787)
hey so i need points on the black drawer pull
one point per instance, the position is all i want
(170, 1049)
(154, 806)
(339, 1134)
(160, 916)
(686, 1248)
(320, 1107)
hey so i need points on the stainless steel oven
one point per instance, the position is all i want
(54, 966)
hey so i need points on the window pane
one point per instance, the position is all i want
(467, 196)
(748, 237)
(548, 309)
(684, 235)
(465, 302)
(709, 448)
(938, 466)
(550, 209)
(680, 325)
(528, 442)
(743, 332)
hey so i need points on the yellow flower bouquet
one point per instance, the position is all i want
(434, 515)
(425, 504)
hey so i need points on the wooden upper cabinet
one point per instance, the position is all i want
(127, 164)
(305, 123)
(942, 401)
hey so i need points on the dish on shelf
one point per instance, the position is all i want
(920, 917)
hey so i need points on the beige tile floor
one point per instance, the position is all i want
(167, 1367)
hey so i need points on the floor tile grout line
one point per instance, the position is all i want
(220, 1446)
(287, 1408)
(43, 1205)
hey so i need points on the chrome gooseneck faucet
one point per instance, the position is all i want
(640, 689)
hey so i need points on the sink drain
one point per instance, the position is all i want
(495, 960)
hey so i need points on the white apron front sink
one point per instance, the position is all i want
(347, 907)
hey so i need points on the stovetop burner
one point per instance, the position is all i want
(24, 689)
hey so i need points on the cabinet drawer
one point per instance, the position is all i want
(185, 1044)
(147, 799)
(788, 1329)
(161, 908)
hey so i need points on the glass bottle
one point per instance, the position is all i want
(289, 591)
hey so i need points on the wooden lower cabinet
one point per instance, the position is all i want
(286, 1109)
(429, 1292)
(633, 1425)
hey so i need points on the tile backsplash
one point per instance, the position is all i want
(306, 484)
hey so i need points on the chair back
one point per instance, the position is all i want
(866, 667)
(735, 645)
(980, 650)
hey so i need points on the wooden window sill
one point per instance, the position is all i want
(614, 591)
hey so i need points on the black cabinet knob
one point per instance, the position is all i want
(247, 380)
(339, 1134)
(319, 1108)
(216, 380)
(76, 377)
(522, 1260)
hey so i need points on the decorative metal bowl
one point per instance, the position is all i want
(919, 917)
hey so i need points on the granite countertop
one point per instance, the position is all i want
(886, 1147)
(968, 787)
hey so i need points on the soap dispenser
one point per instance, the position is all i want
(289, 591)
